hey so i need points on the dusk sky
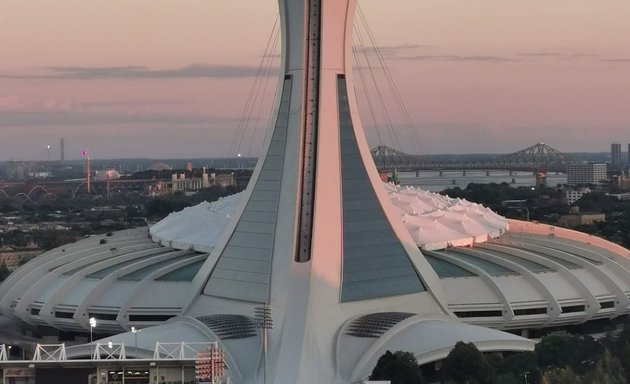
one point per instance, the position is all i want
(166, 78)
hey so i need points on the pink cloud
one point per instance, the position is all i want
(12, 102)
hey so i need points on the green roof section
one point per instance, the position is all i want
(445, 269)
(101, 273)
(559, 260)
(487, 266)
(141, 273)
(528, 264)
(185, 273)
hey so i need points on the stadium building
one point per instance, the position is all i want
(318, 268)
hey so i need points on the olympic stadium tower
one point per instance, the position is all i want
(341, 266)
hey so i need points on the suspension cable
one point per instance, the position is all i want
(381, 100)
(242, 126)
(368, 99)
(267, 76)
(408, 122)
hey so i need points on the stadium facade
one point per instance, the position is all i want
(348, 267)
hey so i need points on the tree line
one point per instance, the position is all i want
(559, 358)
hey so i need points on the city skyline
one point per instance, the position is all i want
(133, 79)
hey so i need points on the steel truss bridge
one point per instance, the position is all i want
(536, 158)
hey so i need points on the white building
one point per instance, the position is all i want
(574, 195)
(586, 173)
(179, 182)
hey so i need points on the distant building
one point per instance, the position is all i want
(575, 194)
(620, 196)
(12, 256)
(223, 180)
(585, 173)
(109, 174)
(576, 220)
(160, 167)
(615, 155)
(179, 182)
(620, 182)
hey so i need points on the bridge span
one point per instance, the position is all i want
(536, 158)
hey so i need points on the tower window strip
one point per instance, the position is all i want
(309, 132)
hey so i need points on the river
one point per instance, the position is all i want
(432, 181)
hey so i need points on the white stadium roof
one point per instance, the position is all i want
(434, 221)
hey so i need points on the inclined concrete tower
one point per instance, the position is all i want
(313, 238)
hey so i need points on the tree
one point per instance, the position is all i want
(596, 201)
(508, 378)
(559, 350)
(608, 370)
(517, 364)
(560, 376)
(465, 364)
(625, 359)
(620, 341)
(4, 271)
(398, 367)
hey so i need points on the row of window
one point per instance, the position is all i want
(530, 311)
(460, 314)
(107, 316)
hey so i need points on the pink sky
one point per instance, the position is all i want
(476, 76)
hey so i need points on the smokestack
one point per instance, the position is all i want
(63, 156)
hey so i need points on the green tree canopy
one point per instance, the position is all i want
(398, 367)
(4, 271)
(608, 370)
(517, 364)
(465, 364)
(559, 350)
(625, 360)
(560, 376)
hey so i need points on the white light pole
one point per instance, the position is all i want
(92, 326)
(264, 321)
(134, 330)
(84, 153)
(525, 376)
